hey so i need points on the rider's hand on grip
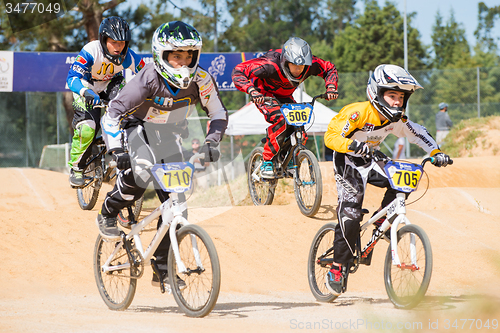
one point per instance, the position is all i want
(442, 160)
(257, 97)
(122, 159)
(360, 148)
(91, 98)
(211, 152)
(331, 92)
(377, 155)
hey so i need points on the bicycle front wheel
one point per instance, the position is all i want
(308, 184)
(202, 278)
(261, 192)
(407, 283)
(117, 287)
(320, 261)
(87, 196)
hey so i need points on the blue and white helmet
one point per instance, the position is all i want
(390, 77)
(176, 36)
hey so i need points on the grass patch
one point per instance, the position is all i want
(465, 136)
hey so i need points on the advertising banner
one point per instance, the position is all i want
(47, 71)
(6, 70)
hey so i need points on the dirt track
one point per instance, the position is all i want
(48, 284)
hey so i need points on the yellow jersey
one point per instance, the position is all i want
(361, 121)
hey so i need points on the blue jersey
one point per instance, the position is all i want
(93, 70)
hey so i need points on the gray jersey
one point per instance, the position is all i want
(149, 99)
(443, 121)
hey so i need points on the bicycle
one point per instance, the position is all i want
(119, 264)
(305, 171)
(100, 168)
(408, 261)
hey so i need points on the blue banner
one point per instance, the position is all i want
(47, 71)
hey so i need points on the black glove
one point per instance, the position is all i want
(257, 97)
(211, 152)
(122, 159)
(331, 92)
(183, 129)
(91, 98)
(442, 160)
(360, 148)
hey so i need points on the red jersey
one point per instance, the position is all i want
(268, 77)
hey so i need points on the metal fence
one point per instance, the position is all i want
(29, 121)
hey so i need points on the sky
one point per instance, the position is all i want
(465, 12)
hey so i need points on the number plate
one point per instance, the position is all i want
(297, 114)
(174, 177)
(403, 177)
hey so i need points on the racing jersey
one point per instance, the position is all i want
(150, 98)
(268, 77)
(361, 121)
(93, 70)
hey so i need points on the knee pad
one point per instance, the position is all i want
(84, 134)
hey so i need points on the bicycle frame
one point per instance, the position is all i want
(396, 214)
(171, 213)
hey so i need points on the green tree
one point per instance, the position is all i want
(260, 25)
(336, 16)
(449, 43)
(486, 23)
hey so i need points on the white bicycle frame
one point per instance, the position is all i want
(396, 208)
(171, 213)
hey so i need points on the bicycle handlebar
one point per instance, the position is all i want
(379, 155)
(270, 99)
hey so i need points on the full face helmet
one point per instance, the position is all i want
(295, 51)
(115, 28)
(176, 36)
(390, 77)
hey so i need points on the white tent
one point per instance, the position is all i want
(249, 121)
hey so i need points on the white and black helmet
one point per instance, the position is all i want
(295, 51)
(176, 36)
(390, 77)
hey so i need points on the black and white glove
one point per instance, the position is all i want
(257, 97)
(211, 152)
(360, 148)
(331, 92)
(122, 159)
(91, 98)
(442, 160)
(183, 129)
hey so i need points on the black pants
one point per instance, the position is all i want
(147, 144)
(358, 173)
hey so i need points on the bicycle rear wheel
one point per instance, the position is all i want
(202, 278)
(124, 217)
(117, 288)
(93, 173)
(261, 192)
(308, 184)
(406, 285)
(320, 261)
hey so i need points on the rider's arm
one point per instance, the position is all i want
(326, 70)
(340, 128)
(133, 61)
(80, 69)
(130, 98)
(246, 71)
(418, 135)
(212, 104)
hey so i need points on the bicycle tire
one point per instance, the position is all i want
(261, 193)
(88, 195)
(407, 287)
(200, 294)
(308, 184)
(316, 273)
(124, 217)
(117, 288)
